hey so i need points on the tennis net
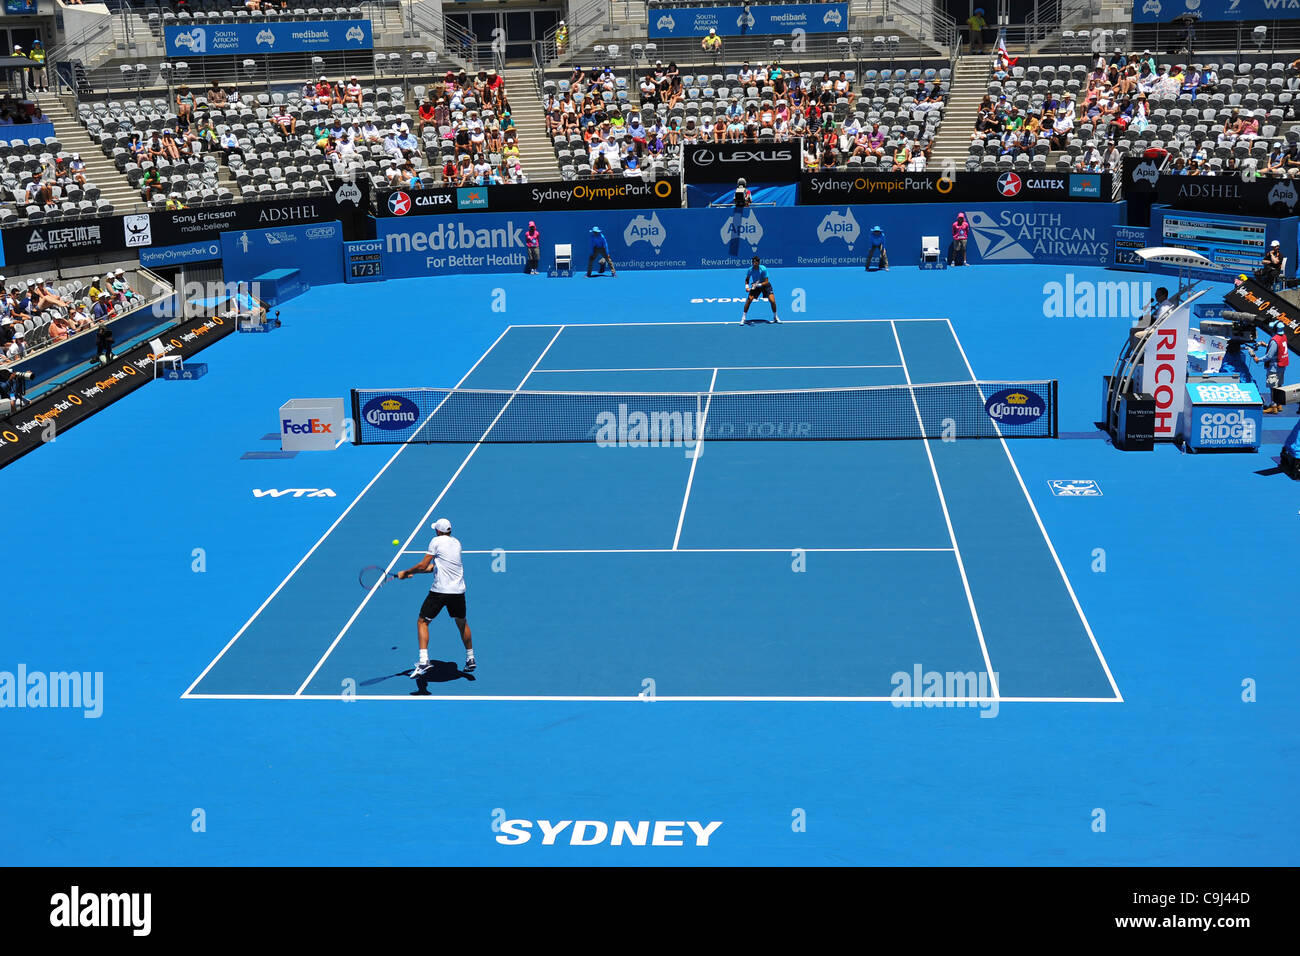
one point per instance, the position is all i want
(952, 410)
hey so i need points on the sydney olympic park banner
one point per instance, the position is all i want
(760, 19)
(247, 38)
(785, 236)
(1166, 11)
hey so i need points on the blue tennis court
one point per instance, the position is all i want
(735, 569)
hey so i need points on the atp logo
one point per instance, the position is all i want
(399, 203)
(651, 230)
(832, 16)
(348, 192)
(839, 225)
(666, 22)
(1074, 488)
(1284, 193)
(994, 243)
(138, 230)
(267, 37)
(196, 40)
(355, 33)
(746, 227)
(1009, 184)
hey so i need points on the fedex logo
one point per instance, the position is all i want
(313, 426)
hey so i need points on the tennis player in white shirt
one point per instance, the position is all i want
(443, 559)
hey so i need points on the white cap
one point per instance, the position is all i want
(442, 526)
(1274, 243)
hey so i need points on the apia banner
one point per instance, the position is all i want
(1165, 11)
(759, 19)
(532, 197)
(758, 162)
(836, 187)
(57, 411)
(130, 233)
(1259, 197)
(786, 237)
(242, 39)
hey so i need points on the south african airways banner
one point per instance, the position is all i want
(765, 19)
(243, 39)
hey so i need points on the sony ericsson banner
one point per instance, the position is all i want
(1259, 197)
(315, 250)
(55, 412)
(135, 232)
(532, 197)
(834, 188)
(757, 162)
(786, 237)
(1165, 11)
(745, 20)
(242, 39)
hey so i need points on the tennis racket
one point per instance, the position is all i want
(373, 576)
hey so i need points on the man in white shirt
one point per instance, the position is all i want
(443, 559)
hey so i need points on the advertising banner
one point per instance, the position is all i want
(346, 201)
(836, 187)
(315, 250)
(57, 411)
(1234, 244)
(1164, 370)
(765, 19)
(1064, 233)
(311, 36)
(1166, 11)
(532, 197)
(727, 162)
(1257, 197)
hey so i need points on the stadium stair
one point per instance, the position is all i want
(100, 170)
(969, 84)
(536, 155)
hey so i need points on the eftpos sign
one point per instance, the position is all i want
(755, 162)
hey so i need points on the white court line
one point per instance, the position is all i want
(695, 459)
(420, 524)
(1046, 538)
(706, 368)
(297, 567)
(943, 503)
(599, 325)
(705, 551)
(924, 702)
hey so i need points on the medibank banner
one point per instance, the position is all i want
(785, 237)
(555, 197)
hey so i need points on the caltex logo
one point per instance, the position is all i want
(1008, 184)
(399, 204)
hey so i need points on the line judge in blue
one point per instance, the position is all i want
(758, 285)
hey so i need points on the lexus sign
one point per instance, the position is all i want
(756, 162)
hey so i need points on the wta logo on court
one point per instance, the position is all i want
(390, 412)
(1015, 406)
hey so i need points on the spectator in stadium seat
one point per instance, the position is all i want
(217, 96)
(151, 184)
(184, 105)
(79, 318)
(352, 93)
(16, 347)
(169, 148)
(45, 297)
(103, 308)
(712, 44)
(902, 156)
(285, 123)
(58, 329)
(230, 145)
(39, 191)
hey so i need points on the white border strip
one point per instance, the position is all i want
(933, 702)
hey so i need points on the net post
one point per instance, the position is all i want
(1056, 408)
(356, 418)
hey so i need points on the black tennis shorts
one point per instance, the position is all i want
(436, 601)
(760, 291)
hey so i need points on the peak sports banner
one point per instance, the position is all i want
(756, 162)
(134, 233)
(836, 187)
(595, 194)
(75, 401)
(759, 19)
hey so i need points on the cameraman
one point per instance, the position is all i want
(104, 344)
(13, 387)
(1276, 360)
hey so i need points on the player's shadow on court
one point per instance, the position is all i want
(441, 673)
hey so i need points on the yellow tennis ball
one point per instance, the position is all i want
(395, 541)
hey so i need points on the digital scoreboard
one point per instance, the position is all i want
(363, 261)
(1234, 244)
